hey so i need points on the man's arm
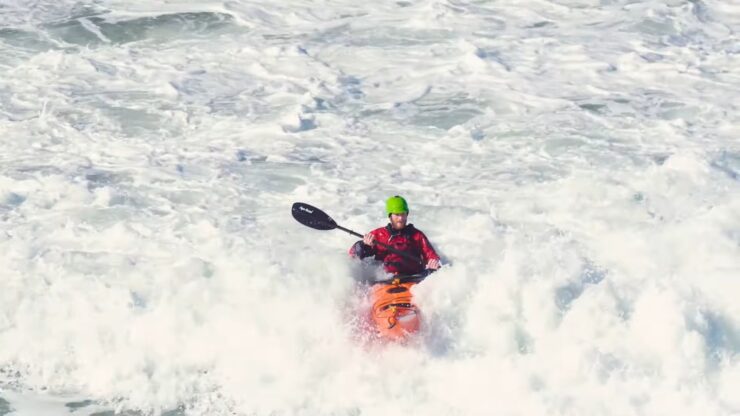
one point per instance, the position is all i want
(365, 247)
(361, 250)
(431, 258)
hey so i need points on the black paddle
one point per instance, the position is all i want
(317, 219)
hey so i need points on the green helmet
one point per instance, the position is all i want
(396, 205)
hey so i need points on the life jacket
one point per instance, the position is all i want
(408, 239)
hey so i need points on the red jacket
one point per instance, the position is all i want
(409, 240)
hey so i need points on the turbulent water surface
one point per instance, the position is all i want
(577, 162)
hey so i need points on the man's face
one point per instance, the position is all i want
(398, 221)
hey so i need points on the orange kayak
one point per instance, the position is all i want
(394, 315)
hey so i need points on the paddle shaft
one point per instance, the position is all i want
(356, 234)
(387, 247)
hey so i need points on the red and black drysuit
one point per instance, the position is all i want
(408, 239)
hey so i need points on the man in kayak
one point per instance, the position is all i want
(401, 236)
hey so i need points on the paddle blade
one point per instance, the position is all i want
(313, 217)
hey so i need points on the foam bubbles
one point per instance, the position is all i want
(574, 163)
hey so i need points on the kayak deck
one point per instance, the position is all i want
(394, 314)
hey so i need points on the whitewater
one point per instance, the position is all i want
(576, 163)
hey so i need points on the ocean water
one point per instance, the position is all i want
(575, 162)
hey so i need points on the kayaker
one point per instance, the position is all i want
(401, 236)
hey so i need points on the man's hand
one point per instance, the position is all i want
(433, 264)
(369, 239)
